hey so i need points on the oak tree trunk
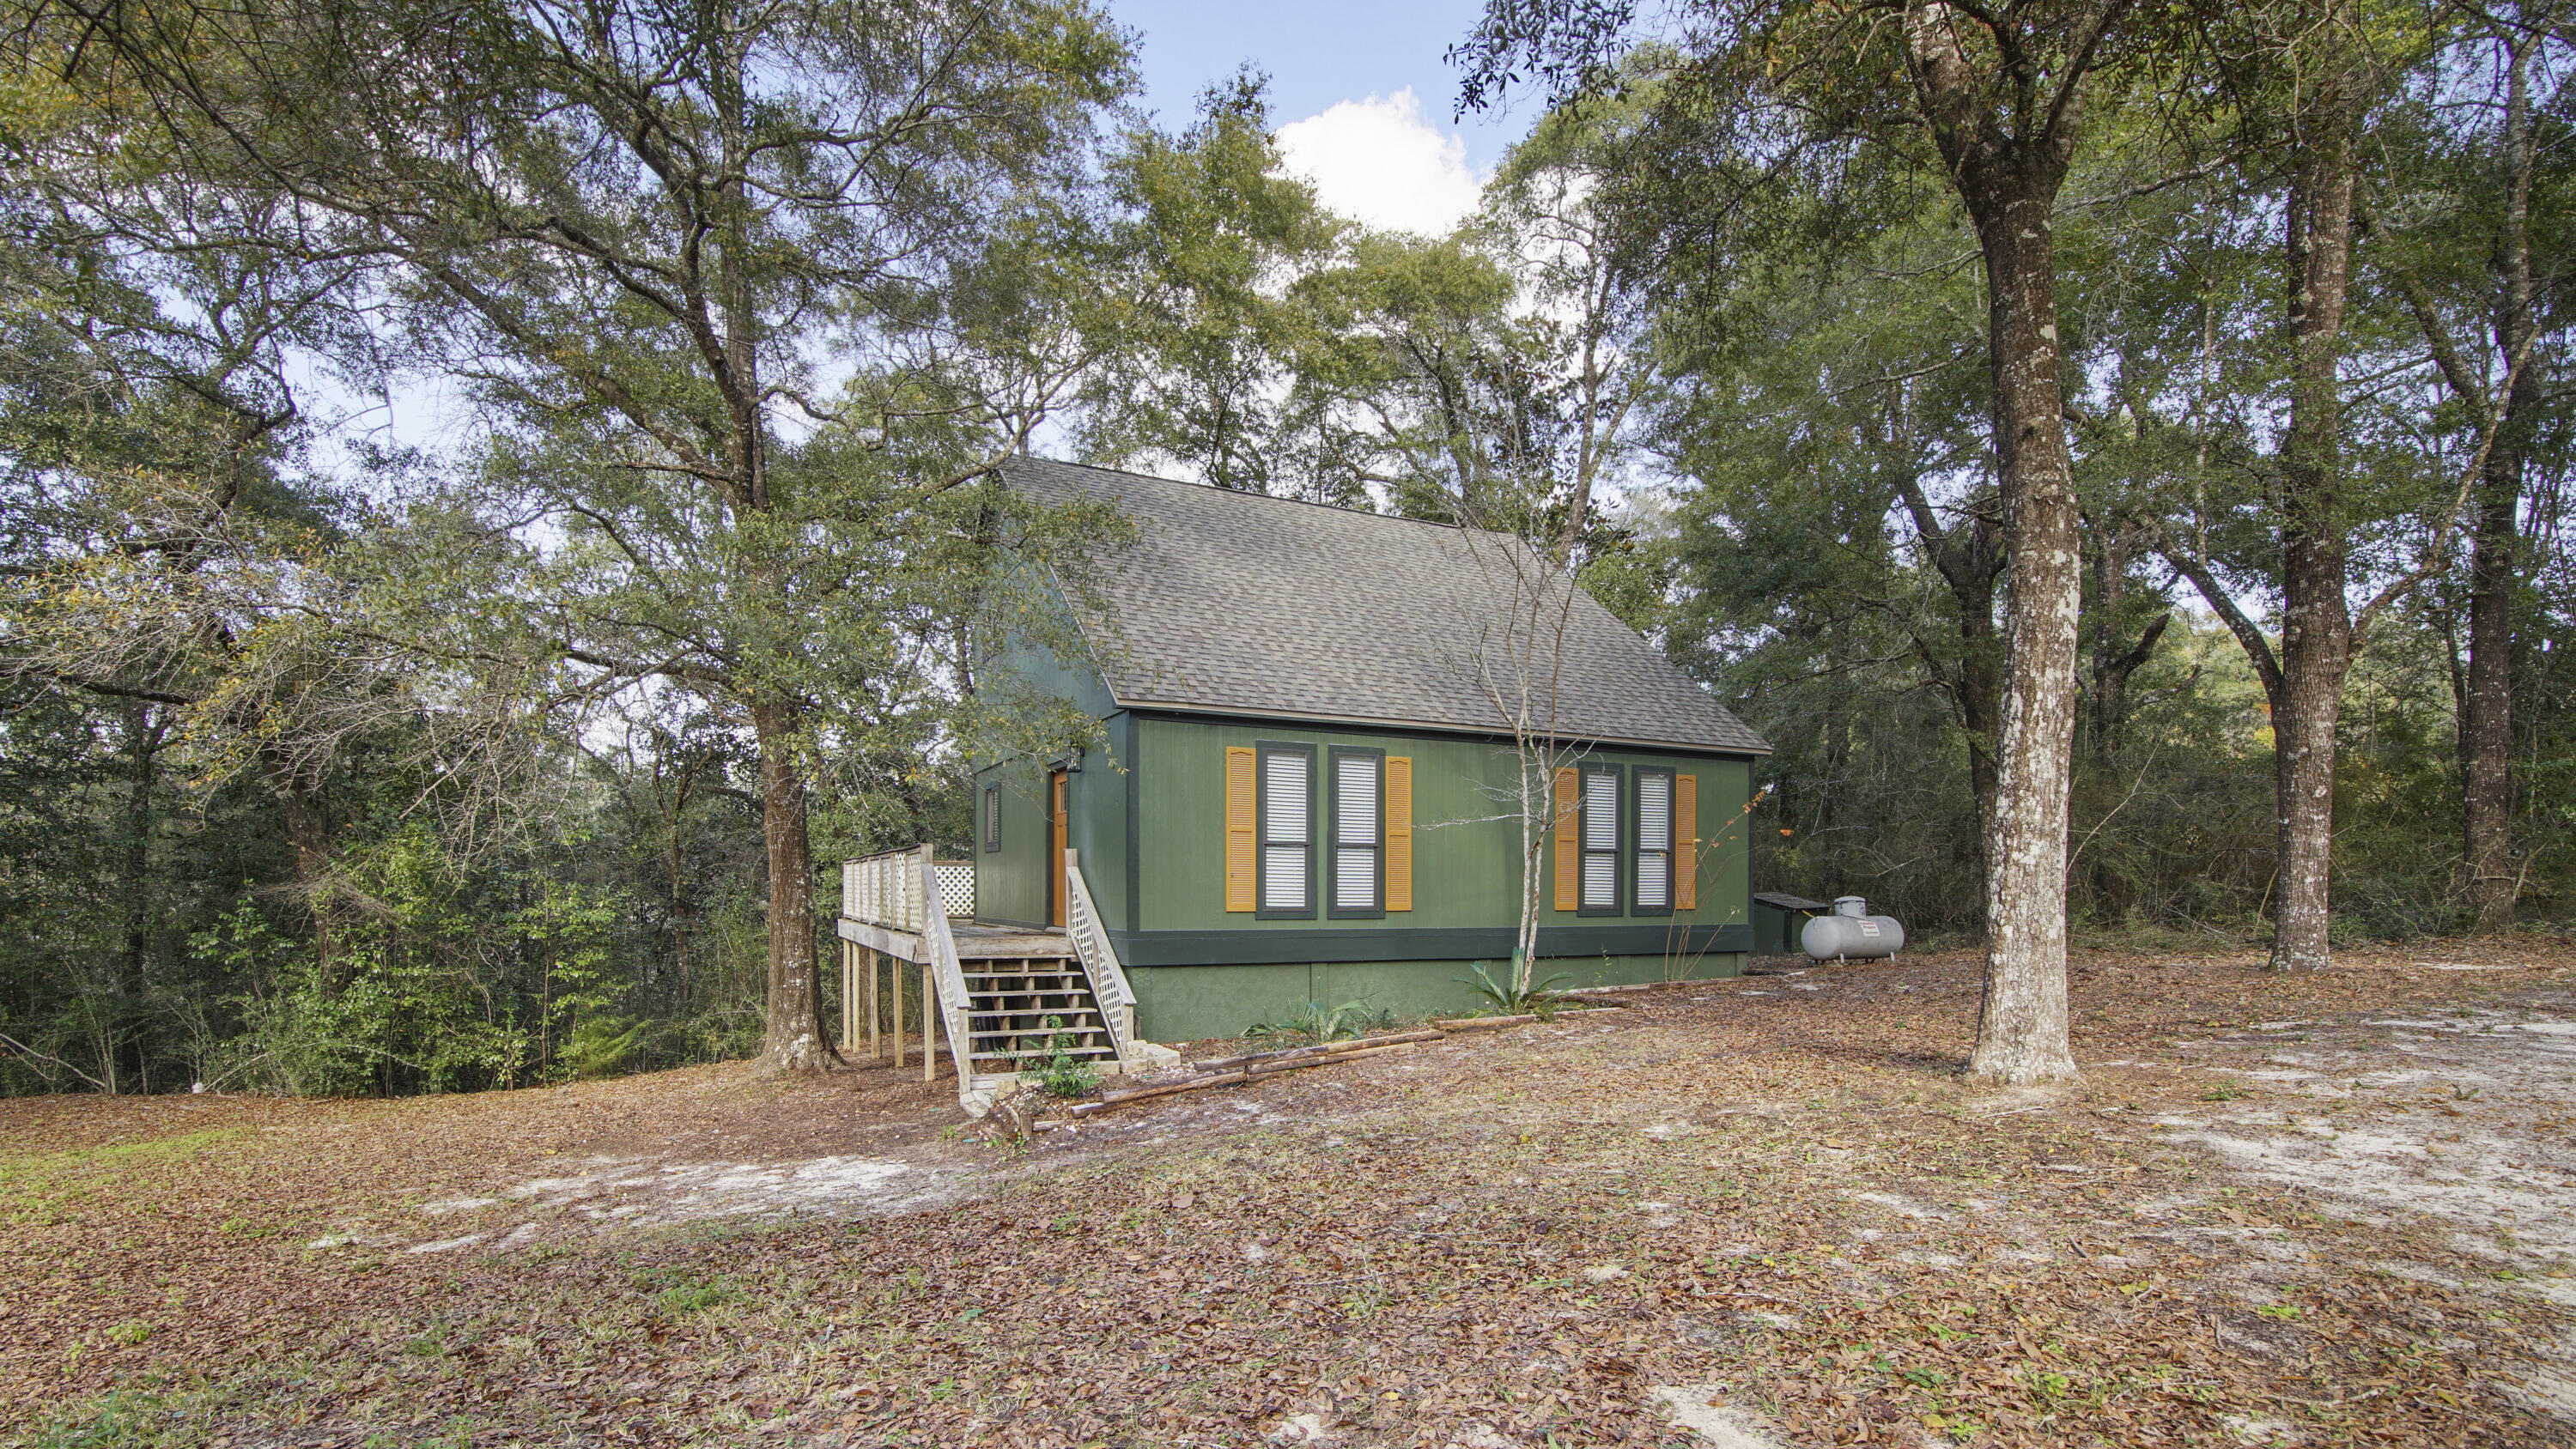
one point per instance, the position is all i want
(2113, 662)
(794, 1039)
(2486, 715)
(2486, 724)
(1969, 556)
(308, 832)
(145, 730)
(2007, 154)
(2316, 618)
(2021, 1028)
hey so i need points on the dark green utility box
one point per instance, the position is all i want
(1778, 918)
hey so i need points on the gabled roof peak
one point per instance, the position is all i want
(1248, 604)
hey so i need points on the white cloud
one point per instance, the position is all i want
(1383, 163)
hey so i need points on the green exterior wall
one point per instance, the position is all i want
(1011, 883)
(1466, 863)
(1147, 814)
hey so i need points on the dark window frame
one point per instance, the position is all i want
(1376, 909)
(1262, 752)
(1636, 832)
(992, 818)
(1616, 851)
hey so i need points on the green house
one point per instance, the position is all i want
(1307, 789)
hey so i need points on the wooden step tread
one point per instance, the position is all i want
(987, 1033)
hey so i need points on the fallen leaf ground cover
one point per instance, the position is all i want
(2319, 1209)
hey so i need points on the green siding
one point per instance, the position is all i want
(1008, 886)
(1466, 862)
(1163, 779)
(1011, 883)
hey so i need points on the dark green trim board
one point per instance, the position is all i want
(1123, 730)
(1247, 948)
(1333, 846)
(1501, 739)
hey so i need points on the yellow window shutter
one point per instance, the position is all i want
(1686, 842)
(1569, 852)
(1399, 833)
(1242, 797)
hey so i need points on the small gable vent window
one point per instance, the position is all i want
(1287, 829)
(1601, 840)
(992, 817)
(1654, 841)
(1359, 833)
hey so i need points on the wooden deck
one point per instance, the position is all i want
(976, 941)
(979, 942)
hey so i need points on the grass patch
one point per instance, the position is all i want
(679, 1294)
(31, 1181)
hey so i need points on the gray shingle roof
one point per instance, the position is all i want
(1241, 603)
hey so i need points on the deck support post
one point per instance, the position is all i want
(849, 998)
(876, 1029)
(929, 1023)
(897, 1028)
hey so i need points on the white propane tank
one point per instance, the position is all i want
(1851, 931)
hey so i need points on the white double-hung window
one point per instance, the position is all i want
(1359, 832)
(1654, 870)
(1287, 829)
(1601, 839)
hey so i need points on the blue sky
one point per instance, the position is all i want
(1316, 54)
(1400, 162)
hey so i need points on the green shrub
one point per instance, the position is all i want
(1062, 1074)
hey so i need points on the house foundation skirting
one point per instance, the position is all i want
(1265, 948)
(1193, 1003)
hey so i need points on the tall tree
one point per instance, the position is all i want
(2306, 681)
(2001, 94)
(640, 231)
(1214, 236)
(2465, 238)
(2306, 77)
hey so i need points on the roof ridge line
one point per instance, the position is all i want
(1247, 493)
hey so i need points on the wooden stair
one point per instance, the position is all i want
(1017, 1009)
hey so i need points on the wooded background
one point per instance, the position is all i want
(517, 741)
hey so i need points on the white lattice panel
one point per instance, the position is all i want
(957, 889)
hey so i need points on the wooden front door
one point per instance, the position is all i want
(1055, 848)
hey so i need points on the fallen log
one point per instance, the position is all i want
(1220, 1064)
(1136, 1094)
(1611, 990)
(1483, 1023)
(1239, 1076)
(1336, 1059)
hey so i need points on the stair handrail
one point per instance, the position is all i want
(949, 976)
(1099, 959)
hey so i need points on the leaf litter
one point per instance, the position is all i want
(2326, 1209)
